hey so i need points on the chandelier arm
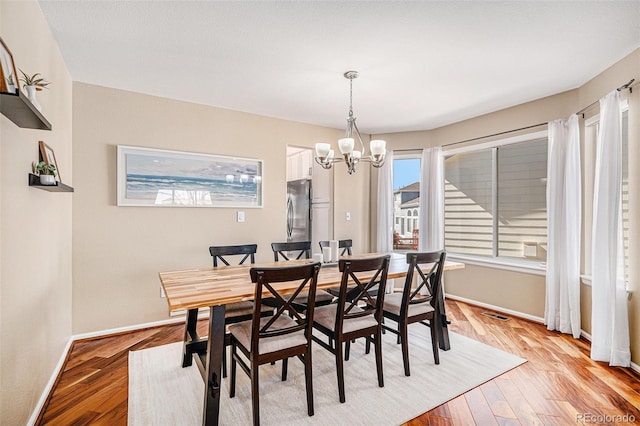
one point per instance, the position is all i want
(355, 126)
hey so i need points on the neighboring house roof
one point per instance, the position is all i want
(409, 188)
(411, 203)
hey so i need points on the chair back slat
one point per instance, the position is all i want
(265, 278)
(345, 245)
(431, 281)
(218, 253)
(300, 248)
(350, 307)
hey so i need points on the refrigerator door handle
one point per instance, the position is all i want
(289, 217)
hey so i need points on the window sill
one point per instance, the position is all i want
(523, 266)
(586, 280)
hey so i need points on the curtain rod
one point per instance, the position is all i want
(619, 89)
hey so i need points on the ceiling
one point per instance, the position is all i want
(422, 64)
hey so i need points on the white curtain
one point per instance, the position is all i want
(384, 239)
(431, 227)
(609, 317)
(562, 307)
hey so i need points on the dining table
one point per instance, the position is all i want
(214, 287)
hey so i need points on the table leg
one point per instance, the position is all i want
(190, 334)
(215, 348)
(443, 330)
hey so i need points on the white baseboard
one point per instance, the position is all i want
(56, 372)
(102, 333)
(496, 308)
(49, 386)
(635, 367)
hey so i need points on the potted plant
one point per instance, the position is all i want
(32, 84)
(47, 173)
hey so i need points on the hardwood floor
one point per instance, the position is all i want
(559, 385)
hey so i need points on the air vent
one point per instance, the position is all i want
(496, 316)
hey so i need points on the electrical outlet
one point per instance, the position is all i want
(240, 216)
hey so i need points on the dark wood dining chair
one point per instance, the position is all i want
(279, 337)
(218, 253)
(346, 320)
(411, 306)
(287, 251)
(234, 312)
(298, 250)
(345, 245)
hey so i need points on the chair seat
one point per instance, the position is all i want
(242, 309)
(322, 298)
(352, 291)
(242, 332)
(326, 317)
(393, 301)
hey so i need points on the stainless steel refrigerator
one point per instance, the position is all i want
(299, 210)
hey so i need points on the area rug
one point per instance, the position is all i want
(163, 393)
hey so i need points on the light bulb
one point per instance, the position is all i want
(346, 145)
(322, 149)
(378, 147)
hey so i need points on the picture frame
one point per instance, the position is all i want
(9, 82)
(165, 178)
(48, 156)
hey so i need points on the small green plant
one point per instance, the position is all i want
(43, 168)
(34, 80)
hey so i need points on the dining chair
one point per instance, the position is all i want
(349, 318)
(279, 337)
(345, 245)
(298, 250)
(417, 304)
(239, 311)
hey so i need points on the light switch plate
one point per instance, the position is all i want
(240, 216)
(348, 216)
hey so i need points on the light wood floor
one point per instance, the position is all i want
(557, 385)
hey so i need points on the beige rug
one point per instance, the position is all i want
(163, 393)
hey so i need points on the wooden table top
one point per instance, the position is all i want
(200, 288)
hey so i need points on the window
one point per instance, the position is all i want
(406, 200)
(625, 189)
(591, 134)
(495, 200)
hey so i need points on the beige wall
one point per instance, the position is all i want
(522, 292)
(118, 251)
(35, 256)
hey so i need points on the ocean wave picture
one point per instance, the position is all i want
(172, 178)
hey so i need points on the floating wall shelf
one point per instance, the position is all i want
(34, 180)
(19, 109)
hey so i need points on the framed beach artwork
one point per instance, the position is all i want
(156, 177)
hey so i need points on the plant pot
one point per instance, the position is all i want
(47, 180)
(31, 95)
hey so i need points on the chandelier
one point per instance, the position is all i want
(325, 155)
